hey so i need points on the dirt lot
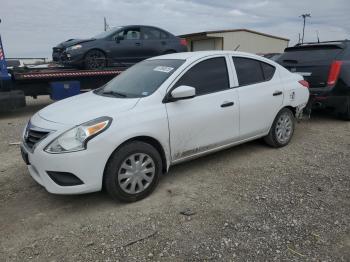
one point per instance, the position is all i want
(250, 203)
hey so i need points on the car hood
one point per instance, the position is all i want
(71, 42)
(85, 107)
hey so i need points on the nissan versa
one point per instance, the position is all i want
(158, 113)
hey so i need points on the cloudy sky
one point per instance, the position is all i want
(30, 28)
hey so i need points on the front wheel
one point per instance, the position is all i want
(282, 129)
(133, 172)
(95, 59)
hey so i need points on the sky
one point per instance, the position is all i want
(30, 28)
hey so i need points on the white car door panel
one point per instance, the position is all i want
(260, 96)
(202, 123)
(258, 107)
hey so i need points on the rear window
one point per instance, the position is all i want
(250, 71)
(310, 54)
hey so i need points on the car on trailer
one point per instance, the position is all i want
(326, 66)
(59, 82)
(121, 46)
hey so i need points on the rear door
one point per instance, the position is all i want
(311, 61)
(152, 44)
(260, 95)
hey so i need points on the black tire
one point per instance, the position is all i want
(95, 59)
(346, 115)
(273, 139)
(114, 165)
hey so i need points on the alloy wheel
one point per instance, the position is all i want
(284, 128)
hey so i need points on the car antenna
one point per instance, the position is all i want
(237, 47)
(318, 38)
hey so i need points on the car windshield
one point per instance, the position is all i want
(141, 79)
(107, 33)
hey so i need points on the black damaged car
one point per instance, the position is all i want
(121, 46)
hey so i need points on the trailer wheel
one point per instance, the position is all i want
(95, 59)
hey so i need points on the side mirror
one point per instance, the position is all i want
(182, 92)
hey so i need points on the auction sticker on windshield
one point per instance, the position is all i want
(164, 69)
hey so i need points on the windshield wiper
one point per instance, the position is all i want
(113, 93)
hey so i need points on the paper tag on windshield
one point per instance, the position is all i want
(164, 69)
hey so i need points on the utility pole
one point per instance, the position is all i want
(106, 26)
(304, 16)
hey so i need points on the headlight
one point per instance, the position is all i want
(76, 138)
(74, 47)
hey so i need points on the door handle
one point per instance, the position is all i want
(277, 93)
(163, 43)
(137, 44)
(226, 104)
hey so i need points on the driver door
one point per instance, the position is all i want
(210, 119)
(126, 46)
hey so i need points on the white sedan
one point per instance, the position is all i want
(158, 113)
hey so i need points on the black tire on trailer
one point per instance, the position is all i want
(282, 129)
(95, 59)
(132, 172)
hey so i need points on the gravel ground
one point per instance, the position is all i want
(248, 203)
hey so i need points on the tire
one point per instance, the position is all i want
(346, 115)
(282, 129)
(95, 59)
(126, 187)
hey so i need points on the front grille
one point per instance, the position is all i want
(34, 135)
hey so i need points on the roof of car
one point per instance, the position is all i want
(200, 54)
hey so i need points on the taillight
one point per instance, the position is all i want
(334, 72)
(183, 42)
(304, 83)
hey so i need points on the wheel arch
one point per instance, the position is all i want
(291, 108)
(95, 48)
(146, 139)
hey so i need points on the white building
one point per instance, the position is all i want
(236, 39)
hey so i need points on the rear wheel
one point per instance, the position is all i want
(95, 59)
(282, 129)
(346, 115)
(133, 172)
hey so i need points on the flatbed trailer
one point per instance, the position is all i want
(19, 82)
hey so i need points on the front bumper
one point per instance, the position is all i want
(68, 58)
(87, 165)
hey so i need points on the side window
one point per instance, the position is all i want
(151, 33)
(248, 71)
(208, 76)
(132, 34)
(268, 71)
(163, 35)
(118, 35)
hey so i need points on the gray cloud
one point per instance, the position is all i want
(32, 28)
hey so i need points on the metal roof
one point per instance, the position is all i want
(230, 31)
